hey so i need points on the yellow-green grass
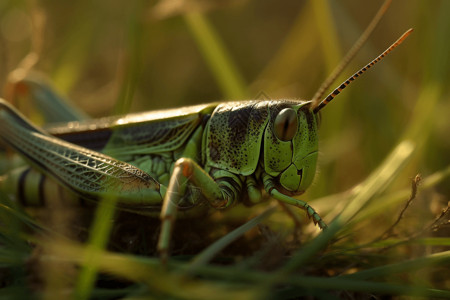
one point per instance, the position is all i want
(374, 138)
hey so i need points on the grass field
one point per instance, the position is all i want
(382, 131)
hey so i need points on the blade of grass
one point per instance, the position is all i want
(373, 185)
(98, 239)
(434, 82)
(440, 241)
(379, 180)
(133, 59)
(217, 57)
(206, 255)
(400, 196)
(13, 212)
(350, 54)
(292, 55)
(75, 51)
(327, 33)
(148, 270)
(442, 258)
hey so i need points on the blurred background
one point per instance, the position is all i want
(114, 57)
(118, 57)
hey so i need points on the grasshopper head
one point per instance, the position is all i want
(291, 145)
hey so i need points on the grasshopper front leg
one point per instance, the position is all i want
(185, 169)
(271, 190)
(33, 89)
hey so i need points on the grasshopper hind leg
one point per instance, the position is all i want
(87, 173)
(33, 89)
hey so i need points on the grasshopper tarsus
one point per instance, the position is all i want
(317, 219)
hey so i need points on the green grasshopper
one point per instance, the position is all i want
(177, 160)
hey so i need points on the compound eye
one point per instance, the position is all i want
(286, 124)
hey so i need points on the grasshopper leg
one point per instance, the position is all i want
(88, 173)
(185, 169)
(301, 204)
(33, 89)
(269, 186)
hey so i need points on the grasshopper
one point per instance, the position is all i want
(177, 160)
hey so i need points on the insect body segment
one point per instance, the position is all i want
(234, 134)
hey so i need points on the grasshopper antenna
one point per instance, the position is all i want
(350, 54)
(361, 71)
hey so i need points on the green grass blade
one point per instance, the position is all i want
(98, 239)
(218, 59)
(133, 59)
(68, 67)
(441, 258)
(206, 255)
(375, 184)
(379, 180)
(327, 33)
(400, 196)
(148, 270)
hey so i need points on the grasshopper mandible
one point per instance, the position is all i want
(210, 155)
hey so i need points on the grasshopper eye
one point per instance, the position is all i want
(286, 124)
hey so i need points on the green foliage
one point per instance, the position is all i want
(377, 135)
